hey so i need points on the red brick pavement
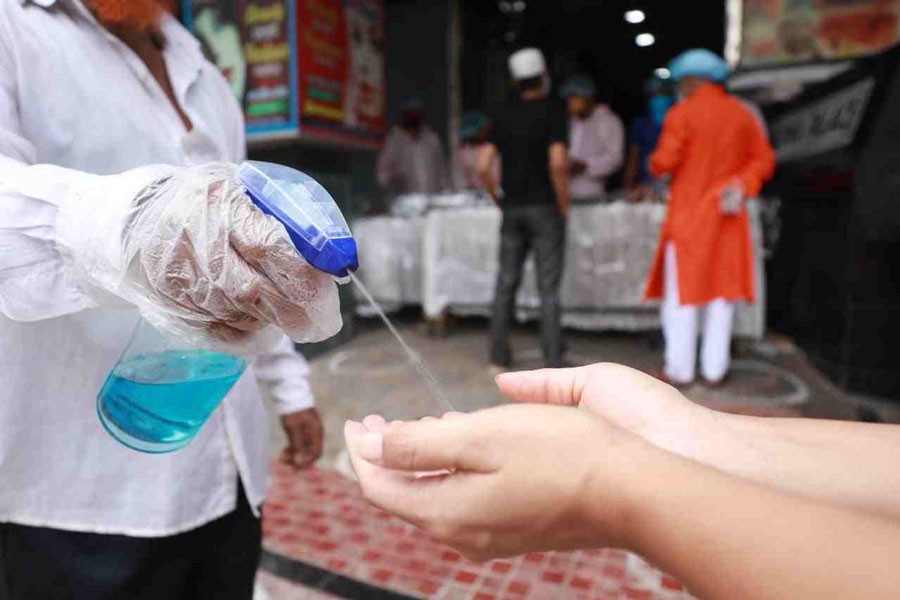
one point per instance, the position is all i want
(320, 518)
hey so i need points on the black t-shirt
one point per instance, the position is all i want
(523, 133)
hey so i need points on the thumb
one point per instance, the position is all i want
(544, 386)
(434, 445)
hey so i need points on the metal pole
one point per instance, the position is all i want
(454, 81)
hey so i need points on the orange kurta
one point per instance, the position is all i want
(708, 140)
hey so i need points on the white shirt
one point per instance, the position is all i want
(72, 95)
(466, 171)
(599, 142)
(412, 165)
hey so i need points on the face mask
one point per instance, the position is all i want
(657, 107)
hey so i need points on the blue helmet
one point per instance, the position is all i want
(699, 62)
(578, 85)
(471, 124)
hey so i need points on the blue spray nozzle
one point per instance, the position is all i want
(308, 212)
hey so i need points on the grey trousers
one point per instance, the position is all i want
(543, 230)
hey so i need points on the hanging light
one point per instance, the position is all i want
(662, 73)
(644, 39)
(635, 16)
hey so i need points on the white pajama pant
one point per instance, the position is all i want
(680, 328)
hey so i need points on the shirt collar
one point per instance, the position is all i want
(41, 3)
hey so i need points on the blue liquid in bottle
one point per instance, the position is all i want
(158, 402)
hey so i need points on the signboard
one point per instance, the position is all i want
(341, 60)
(253, 43)
(791, 31)
(827, 124)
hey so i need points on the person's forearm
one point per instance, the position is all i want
(487, 182)
(727, 538)
(560, 180)
(851, 464)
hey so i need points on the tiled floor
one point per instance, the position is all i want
(276, 588)
(320, 518)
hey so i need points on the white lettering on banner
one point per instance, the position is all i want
(824, 125)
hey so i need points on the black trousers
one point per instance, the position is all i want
(527, 228)
(216, 561)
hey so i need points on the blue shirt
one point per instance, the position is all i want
(644, 132)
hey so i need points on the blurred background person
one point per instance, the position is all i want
(643, 133)
(596, 140)
(529, 135)
(718, 156)
(473, 135)
(103, 104)
(412, 160)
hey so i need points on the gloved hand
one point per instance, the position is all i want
(201, 262)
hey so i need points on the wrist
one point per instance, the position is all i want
(92, 222)
(615, 495)
(687, 430)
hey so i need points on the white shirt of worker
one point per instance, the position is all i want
(412, 164)
(74, 96)
(598, 141)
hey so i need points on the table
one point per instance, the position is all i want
(446, 260)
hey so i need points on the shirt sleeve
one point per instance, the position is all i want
(385, 170)
(761, 158)
(283, 376)
(43, 223)
(612, 153)
(671, 145)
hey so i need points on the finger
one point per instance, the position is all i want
(264, 244)
(314, 438)
(364, 443)
(374, 423)
(545, 386)
(287, 458)
(303, 460)
(292, 286)
(398, 493)
(455, 444)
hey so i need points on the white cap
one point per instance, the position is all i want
(527, 63)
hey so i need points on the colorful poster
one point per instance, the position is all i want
(252, 42)
(792, 31)
(341, 62)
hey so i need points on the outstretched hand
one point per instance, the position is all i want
(624, 397)
(500, 481)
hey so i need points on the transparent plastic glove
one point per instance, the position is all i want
(731, 198)
(203, 263)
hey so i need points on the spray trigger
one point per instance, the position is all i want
(314, 223)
